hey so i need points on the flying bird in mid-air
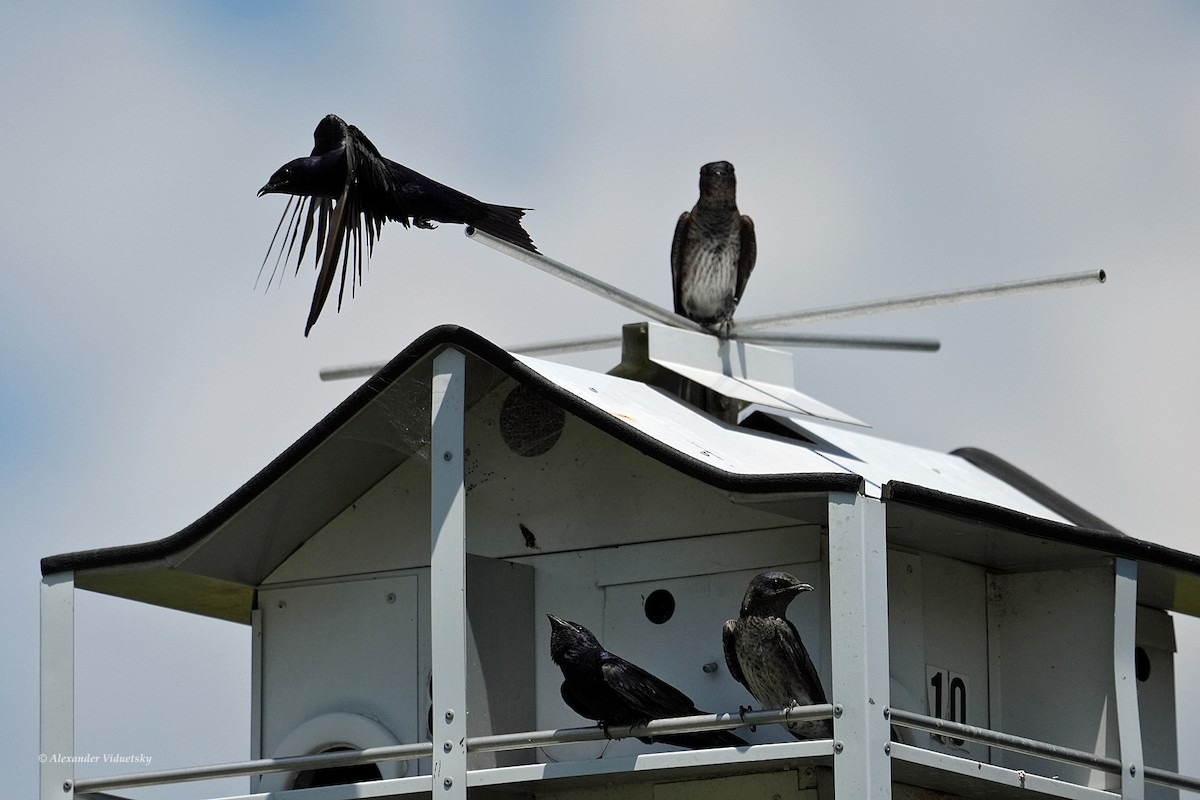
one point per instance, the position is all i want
(604, 687)
(369, 190)
(713, 252)
(764, 652)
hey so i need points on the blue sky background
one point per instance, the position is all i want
(882, 150)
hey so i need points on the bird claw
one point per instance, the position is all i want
(742, 714)
(423, 224)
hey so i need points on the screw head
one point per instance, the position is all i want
(887, 748)
(448, 783)
(447, 747)
(1133, 769)
(838, 747)
(66, 786)
(450, 715)
(447, 456)
(837, 710)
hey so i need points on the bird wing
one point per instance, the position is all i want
(581, 704)
(748, 255)
(328, 262)
(729, 642)
(363, 200)
(678, 261)
(800, 664)
(648, 696)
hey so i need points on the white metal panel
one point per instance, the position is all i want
(748, 372)
(340, 647)
(1050, 653)
(954, 601)
(880, 460)
(677, 425)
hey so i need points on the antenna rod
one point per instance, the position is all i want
(920, 301)
(849, 342)
(560, 346)
(585, 281)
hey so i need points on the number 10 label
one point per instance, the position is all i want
(946, 692)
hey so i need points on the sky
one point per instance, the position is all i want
(882, 150)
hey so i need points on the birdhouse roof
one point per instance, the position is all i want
(967, 504)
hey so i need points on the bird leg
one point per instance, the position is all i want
(742, 714)
(423, 224)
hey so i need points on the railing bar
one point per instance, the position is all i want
(700, 722)
(1173, 779)
(344, 758)
(1007, 741)
(504, 741)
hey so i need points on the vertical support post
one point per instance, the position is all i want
(1129, 728)
(859, 647)
(57, 742)
(447, 576)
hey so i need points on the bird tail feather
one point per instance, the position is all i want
(504, 222)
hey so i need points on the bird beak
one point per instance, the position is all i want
(799, 588)
(265, 190)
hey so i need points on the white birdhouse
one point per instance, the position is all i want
(975, 634)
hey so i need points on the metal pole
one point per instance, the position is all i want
(561, 346)
(494, 742)
(447, 576)
(57, 734)
(585, 281)
(920, 301)
(1129, 727)
(1019, 744)
(257, 766)
(859, 646)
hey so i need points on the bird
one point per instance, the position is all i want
(713, 252)
(369, 189)
(604, 687)
(764, 652)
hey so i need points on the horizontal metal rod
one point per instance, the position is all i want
(920, 301)
(584, 281)
(341, 758)
(957, 730)
(560, 346)
(481, 744)
(1167, 778)
(658, 727)
(855, 342)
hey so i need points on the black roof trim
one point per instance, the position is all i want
(426, 344)
(1027, 484)
(1113, 542)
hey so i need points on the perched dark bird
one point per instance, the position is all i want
(713, 252)
(369, 190)
(612, 691)
(764, 653)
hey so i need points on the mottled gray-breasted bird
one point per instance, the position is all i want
(345, 166)
(713, 252)
(764, 652)
(604, 687)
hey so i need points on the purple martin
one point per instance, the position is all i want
(764, 652)
(604, 687)
(369, 190)
(713, 252)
